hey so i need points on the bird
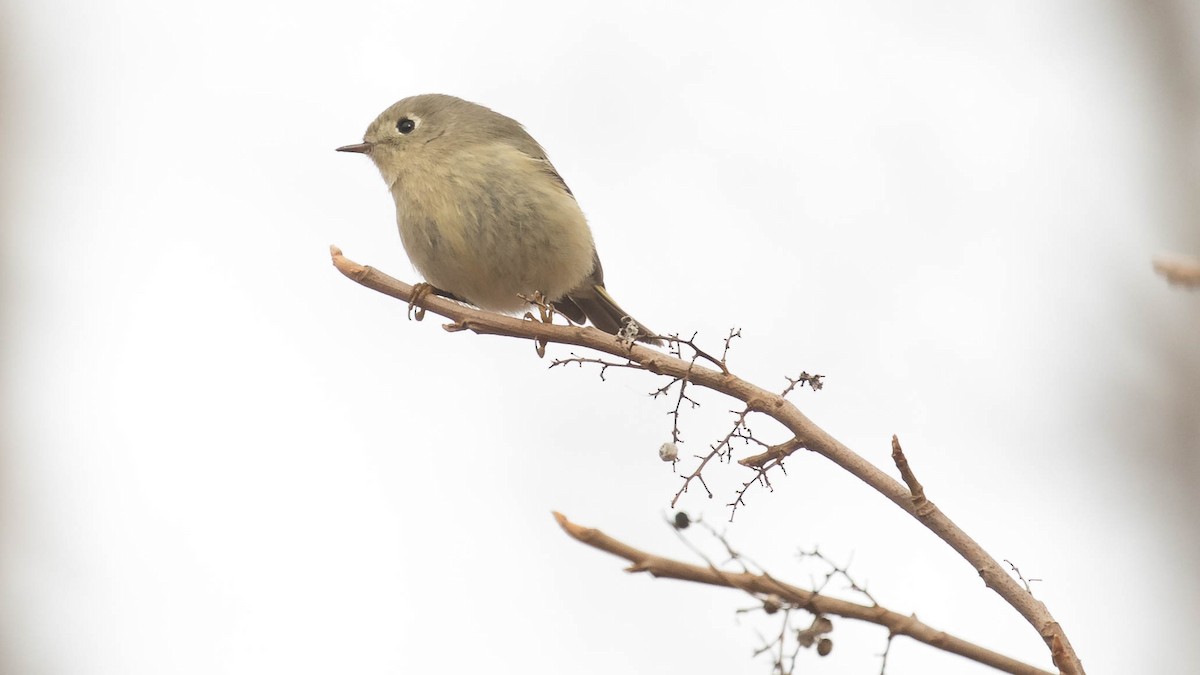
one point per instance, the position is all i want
(485, 217)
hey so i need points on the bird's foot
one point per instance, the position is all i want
(538, 300)
(420, 292)
(546, 312)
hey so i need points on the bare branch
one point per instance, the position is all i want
(807, 434)
(765, 585)
(1179, 270)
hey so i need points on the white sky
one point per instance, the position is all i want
(220, 456)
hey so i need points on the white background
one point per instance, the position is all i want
(220, 456)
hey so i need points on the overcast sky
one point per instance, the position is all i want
(220, 456)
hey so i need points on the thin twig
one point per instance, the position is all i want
(604, 365)
(1017, 571)
(722, 450)
(675, 344)
(887, 649)
(836, 570)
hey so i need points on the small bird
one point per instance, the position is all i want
(483, 214)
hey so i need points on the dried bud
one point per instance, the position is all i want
(824, 647)
(668, 452)
(682, 521)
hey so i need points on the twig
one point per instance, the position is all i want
(839, 570)
(887, 649)
(910, 479)
(674, 344)
(757, 399)
(733, 333)
(676, 435)
(1017, 571)
(717, 451)
(604, 365)
(761, 478)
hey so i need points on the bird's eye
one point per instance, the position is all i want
(405, 125)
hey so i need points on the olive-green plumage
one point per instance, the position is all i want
(483, 214)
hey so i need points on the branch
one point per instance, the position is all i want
(896, 623)
(807, 434)
(1179, 270)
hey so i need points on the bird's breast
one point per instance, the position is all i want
(489, 225)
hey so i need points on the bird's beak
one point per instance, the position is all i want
(357, 147)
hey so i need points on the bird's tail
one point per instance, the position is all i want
(593, 302)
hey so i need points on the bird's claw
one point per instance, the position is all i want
(420, 291)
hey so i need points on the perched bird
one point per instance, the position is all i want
(483, 214)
